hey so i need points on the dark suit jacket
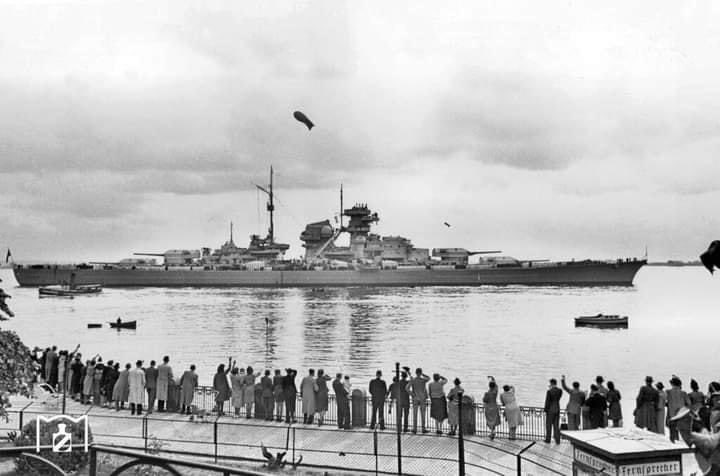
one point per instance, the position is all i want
(552, 400)
(151, 375)
(341, 395)
(378, 390)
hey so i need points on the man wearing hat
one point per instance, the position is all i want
(646, 405)
(378, 392)
(552, 412)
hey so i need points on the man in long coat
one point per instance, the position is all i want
(267, 395)
(151, 375)
(76, 380)
(164, 380)
(307, 393)
(575, 404)
(188, 383)
(552, 412)
(136, 382)
(378, 392)
(343, 404)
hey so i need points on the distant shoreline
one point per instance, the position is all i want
(674, 263)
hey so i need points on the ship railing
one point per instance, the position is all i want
(532, 428)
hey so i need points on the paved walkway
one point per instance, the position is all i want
(324, 446)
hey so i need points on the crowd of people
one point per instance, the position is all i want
(655, 406)
(105, 383)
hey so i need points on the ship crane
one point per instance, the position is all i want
(336, 233)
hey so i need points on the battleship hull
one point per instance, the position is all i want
(589, 273)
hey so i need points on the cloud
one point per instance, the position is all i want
(535, 122)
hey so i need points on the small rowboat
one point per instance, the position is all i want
(602, 320)
(94, 326)
(124, 325)
(64, 290)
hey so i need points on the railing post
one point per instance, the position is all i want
(22, 413)
(461, 442)
(92, 464)
(293, 449)
(215, 437)
(519, 458)
(145, 431)
(398, 421)
(375, 450)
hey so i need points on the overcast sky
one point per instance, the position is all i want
(543, 129)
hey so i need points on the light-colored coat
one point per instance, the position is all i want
(88, 382)
(237, 385)
(121, 389)
(307, 393)
(249, 389)
(136, 384)
(188, 383)
(164, 380)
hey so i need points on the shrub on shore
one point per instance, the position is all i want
(16, 364)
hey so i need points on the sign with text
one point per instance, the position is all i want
(594, 462)
(656, 468)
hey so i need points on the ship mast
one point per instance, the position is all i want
(341, 207)
(270, 206)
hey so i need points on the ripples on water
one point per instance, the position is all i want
(521, 335)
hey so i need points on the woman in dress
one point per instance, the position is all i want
(188, 384)
(249, 391)
(220, 384)
(237, 384)
(321, 395)
(646, 405)
(660, 411)
(112, 377)
(62, 361)
(512, 410)
(438, 404)
(492, 411)
(615, 409)
(278, 395)
(290, 394)
(121, 390)
(88, 381)
(453, 406)
(97, 383)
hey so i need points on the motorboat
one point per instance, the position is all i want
(602, 320)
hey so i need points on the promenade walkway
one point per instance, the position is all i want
(357, 450)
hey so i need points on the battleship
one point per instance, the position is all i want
(369, 260)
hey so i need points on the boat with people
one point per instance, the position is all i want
(64, 290)
(602, 320)
(369, 260)
(120, 324)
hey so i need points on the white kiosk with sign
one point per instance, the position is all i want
(625, 452)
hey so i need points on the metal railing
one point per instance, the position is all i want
(236, 440)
